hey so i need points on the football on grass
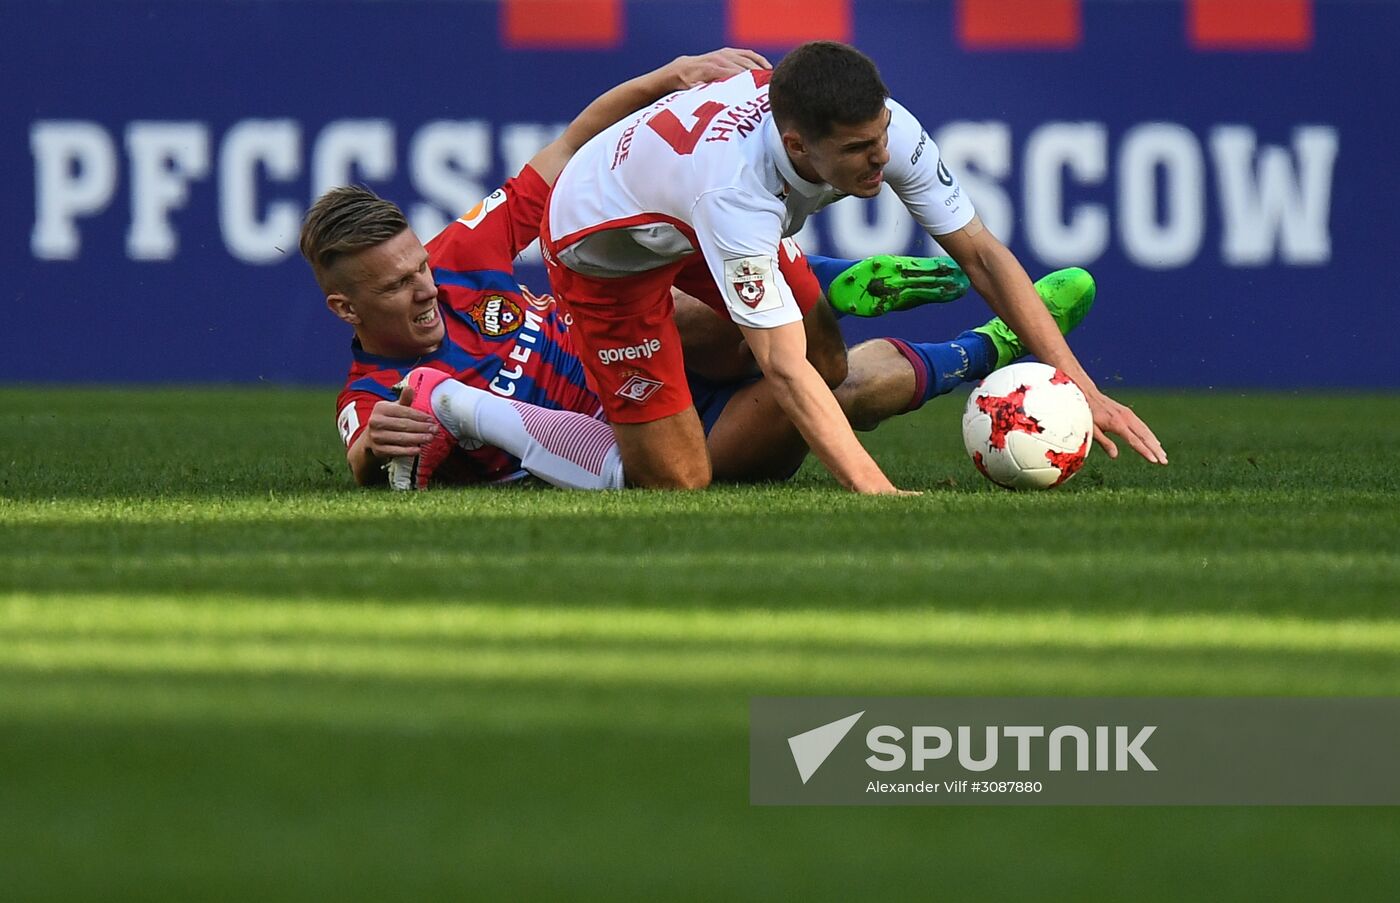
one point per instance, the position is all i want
(1027, 426)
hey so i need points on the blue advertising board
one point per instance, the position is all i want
(1240, 208)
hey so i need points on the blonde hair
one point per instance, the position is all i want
(344, 221)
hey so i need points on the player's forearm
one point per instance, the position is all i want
(617, 102)
(809, 404)
(1001, 279)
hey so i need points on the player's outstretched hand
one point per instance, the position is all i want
(689, 71)
(397, 430)
(1119, 419)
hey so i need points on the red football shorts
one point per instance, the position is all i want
(627, 340)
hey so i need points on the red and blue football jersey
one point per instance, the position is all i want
(498, 337)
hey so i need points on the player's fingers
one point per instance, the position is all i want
(1105, 443)
(1123, 422)
(751, 59)
(1146, 444)
(390, 424)
(396, 451)
(388, 411)
(392, 443)
(1142, 447)
(725, 62)
(406, 397)
(1149, 439)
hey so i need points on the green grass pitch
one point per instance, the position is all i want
(224, 674)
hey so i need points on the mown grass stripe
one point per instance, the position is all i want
(216, 618)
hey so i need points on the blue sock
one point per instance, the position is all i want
(940, 367)
(826, 269)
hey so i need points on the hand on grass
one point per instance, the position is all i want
(1119, 419)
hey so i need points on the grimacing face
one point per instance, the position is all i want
(851, 159)
(388, 295)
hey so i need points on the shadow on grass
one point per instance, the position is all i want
(1098, 557)
(468, 802)
(665, 687)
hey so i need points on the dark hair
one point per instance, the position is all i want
(343, 221)
(824, 84)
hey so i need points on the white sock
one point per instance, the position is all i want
(563, 448)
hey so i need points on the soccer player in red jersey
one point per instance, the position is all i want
(455, 305)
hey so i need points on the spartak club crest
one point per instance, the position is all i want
(748, 282)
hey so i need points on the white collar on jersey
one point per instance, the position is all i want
(774, 143)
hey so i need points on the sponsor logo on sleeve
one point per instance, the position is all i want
(473, 217)
(348, 423)
(919, 150)
(944, 175)
(748, 281)
(496, 315)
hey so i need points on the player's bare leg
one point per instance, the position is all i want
(713, 346)
(753, 441)
(826, 347)
(893, 376)
(880, 384)
(669, 453)
(715, 349)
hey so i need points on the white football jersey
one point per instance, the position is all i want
(705, 170)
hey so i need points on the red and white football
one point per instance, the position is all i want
(1027, 426)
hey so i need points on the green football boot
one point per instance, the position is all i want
(1068, 295)
(878, 285)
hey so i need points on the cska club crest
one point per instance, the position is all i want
(496, 315)
(748, 283)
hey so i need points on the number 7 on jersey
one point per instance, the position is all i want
(683, 140)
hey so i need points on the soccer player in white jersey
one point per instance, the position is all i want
(697, 191)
